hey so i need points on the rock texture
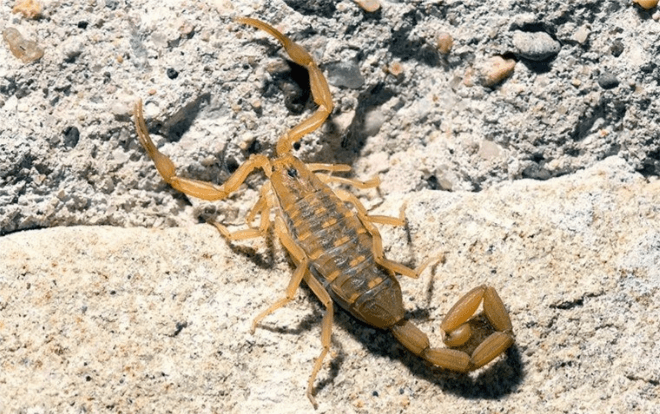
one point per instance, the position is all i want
(543, 184)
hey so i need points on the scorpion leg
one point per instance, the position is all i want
(363, 185)
(347, 197)
(318, 85)
(302, 262)
(262, 206)
(458, 332)
(326, 331)
(247, 233)
(200, 189)
(236, 235)
(377, 249)
(329, 167)
(301, 272)
(326, 178)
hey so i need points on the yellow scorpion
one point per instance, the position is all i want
(332, 239)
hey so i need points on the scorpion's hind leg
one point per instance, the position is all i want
(200, 189)
(326, 332)
(377, 248)
(457, 332)
(318, 84)
(302, 263)
(301, 272)
(328, 167)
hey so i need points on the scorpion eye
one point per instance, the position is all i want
(293, 173)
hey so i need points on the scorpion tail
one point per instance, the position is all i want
(456, 332)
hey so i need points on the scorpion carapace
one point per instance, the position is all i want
(333, 241)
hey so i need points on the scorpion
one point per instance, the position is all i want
(334, 244)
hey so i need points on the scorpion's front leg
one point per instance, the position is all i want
(262, 207)
(457, 332)
(200, 189)
(363, 185)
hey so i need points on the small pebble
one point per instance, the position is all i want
(71, 136)
(346, 73)
(608, 81)
(535, 46)
(468, 77)
(205, 35)
(254, 148)
(25, 50)
(582, 34)
(368, 5)
(395, 68)
(489, 150)
(373, 121)
(172, 73)
(186, 29)
(444, 43)
(256, 105)
(123, 110)
(495, 70)
(71, 48)
(30, 9)
(646, 4)
(247, 139)
(405, 401)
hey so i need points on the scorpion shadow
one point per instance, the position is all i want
(492, 382)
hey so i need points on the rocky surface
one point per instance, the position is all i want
(216, 91)
(544, 185)
(147, 320)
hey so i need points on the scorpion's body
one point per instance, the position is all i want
(333, 241)
(337, 244)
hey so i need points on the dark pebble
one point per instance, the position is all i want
(617, 48)
(71, 136)
(608, 81)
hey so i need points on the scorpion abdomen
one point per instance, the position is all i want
(340, 250)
